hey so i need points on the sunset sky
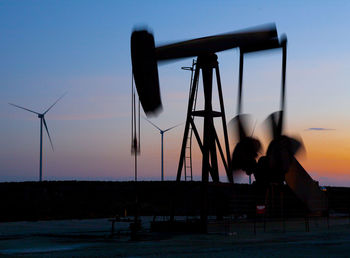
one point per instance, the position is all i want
(83, 47)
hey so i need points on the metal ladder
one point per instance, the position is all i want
(188, 151)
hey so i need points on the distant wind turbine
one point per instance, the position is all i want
(162, 143)
(42, 121)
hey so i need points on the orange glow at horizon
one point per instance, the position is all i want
(327, 152)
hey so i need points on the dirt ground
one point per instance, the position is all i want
(92, 238)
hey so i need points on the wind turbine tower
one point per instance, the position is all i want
(42, 122)
(162, 144)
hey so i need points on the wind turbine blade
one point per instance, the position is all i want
(24, 108)
(54, 103)
(48, 134)
(172, 127)
(152, 124)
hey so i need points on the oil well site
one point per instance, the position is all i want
(234, 191)
(275, 172)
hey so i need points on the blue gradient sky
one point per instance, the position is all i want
(49, 47)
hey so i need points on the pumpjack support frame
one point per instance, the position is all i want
(207, 63)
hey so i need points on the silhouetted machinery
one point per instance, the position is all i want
(279, 164)
(144, 60)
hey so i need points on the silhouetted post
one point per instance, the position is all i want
(135, 139)
(307, 227)
(135, 167)
(284, 64)
(207, 63)
(327, 220)
(224, 124)
(255, 223)
(136, 225)
(240, 81)
(162, 135)
(41, 150)
(282, 209)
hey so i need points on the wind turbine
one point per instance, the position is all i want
(162, 143)
(42, 121)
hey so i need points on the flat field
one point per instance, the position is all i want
(82, 238)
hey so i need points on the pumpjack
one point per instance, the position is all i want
(145, 57)
(279, 164)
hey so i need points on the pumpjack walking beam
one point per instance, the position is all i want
(207, 63)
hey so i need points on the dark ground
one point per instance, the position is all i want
(91, 238)
(31, 201)
(69, 219)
